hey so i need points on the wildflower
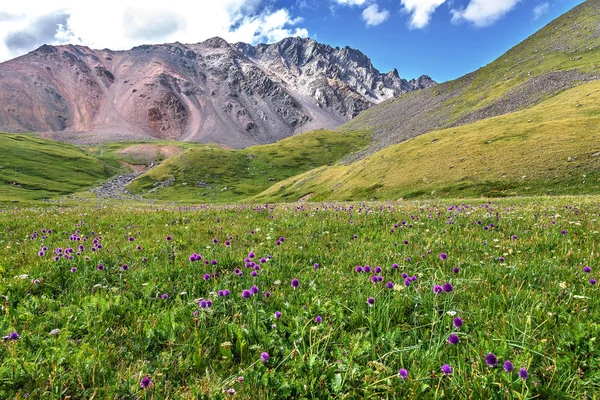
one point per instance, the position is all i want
(267, 294)
(206, 277)
(358, 269)
(404, 275)
(13, 336)
(458, 322)
(169, 238)
(491, 360)
(443, 256)
(316, 266)
(437, 289)
(453, 339)
(318, 319)
(277, 314)
(389, 285)
(264, 357)
(246, 294)
(446, 369)
(395, 266)
(448, 287)
(501, 259)
(523, 374)
(295, 283)
(593, 281)
(508, 366)
(146, 383)
(455, 270)
(73, 269)
(125, 267)
(403, 374)
(587, 269)
(165, 296)
(203, 304)
(370, 301)
(377, 269)
(254, 289)
(407, 282)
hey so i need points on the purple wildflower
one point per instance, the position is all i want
(508, 366)
(403, 374)
(389, 285)
(523, 374)
(587, 269)
(246, 294)
(13, 336)
(277, 314)
(443, 256)
(370, 301)
(295, 283)
(318, 319)
(254, 289)
(165, 296)
(264, 356)
(453, 339)
(146, 383)
(458, 322)
(446, 369)
(491, 360)
(437, 289)
(448, 287)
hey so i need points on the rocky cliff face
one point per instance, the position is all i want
(236, 95)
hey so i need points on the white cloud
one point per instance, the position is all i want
(540, 10)
(351, 2)
(122, 24)
(482, 13)
(421, 11)
(372, 16)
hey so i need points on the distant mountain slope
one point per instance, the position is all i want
(552, 148)
(213, 92)
(36, 169)
(215, 174)
(562, 55)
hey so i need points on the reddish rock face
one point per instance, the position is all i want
(238, 95)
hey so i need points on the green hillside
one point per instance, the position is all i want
(219, 175)
(35, 169)
(552, 148)
(562, 55)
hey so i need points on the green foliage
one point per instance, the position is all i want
(35, 169)
(217, 175)
(535, 307)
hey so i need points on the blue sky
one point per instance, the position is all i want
(443, 49)
(441, 38)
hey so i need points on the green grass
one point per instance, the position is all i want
(535, 307)
(33, 169)
(218, 175)
(503, 156)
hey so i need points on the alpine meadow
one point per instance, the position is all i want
(261, 215)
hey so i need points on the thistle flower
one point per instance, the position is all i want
(13, 336)
(165, 296)
(277, 314)
(458, 322)
(491, 360)
(587, 269)
(246, 294)
(146, 383)
(448, 287)
(370, 301)
(264, 356)
(523, 374)
(295, 283)
(443, 256)
(437, 289)
(254, 289)
(389, 285)
(453, 339)
(318, 319)
(446, 369)
(508, 366)
(403, 374)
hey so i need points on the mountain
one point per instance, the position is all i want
(526, 124)
(237, 95)
(563, 54)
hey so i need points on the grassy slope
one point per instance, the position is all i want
(571, 42)
(35, 169)
(233, 175)
(500, 156)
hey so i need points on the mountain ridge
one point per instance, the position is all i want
(213, 91)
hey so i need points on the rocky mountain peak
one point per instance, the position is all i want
(213, 91)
